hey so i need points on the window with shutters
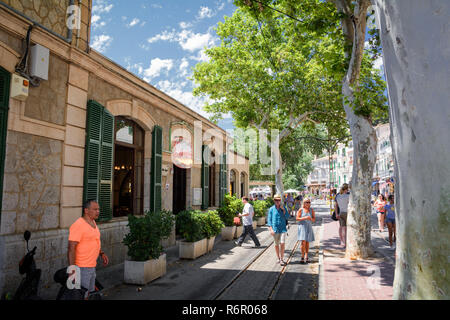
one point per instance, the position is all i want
(156, 170)
(5, 78)
(99, 153)
(128, 168)
(205, 176)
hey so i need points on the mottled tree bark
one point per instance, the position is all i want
(415, 37)
(364, 138)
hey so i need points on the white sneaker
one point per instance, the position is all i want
(393, 246)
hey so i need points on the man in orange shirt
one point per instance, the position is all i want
(84, 245)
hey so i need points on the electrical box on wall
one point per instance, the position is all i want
(19, 87)
(39, 62)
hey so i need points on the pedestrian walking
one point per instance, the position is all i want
(305, 217)
(277, 221)
(379, 206)
(297, 204)
(247, 219)
(289, 203)
(390, 220)
(85, 246)
(341, 207)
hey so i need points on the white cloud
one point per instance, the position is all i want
(102, 6)
(183, 68)
(205, 12)
(156, 67)
(200, 57)
(194, 41)
(133, 22)
(187, 39)
(179, 92)
(185, 25)
(101, 42)
(164, 36)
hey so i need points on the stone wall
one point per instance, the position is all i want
(32, 183)
(47, 102)
(51, 255)
(50, 13)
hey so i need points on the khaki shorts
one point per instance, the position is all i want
(279, 238)
(343, 219)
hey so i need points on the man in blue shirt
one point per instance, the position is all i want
(276, 220)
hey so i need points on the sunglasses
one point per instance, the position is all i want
(307, 202)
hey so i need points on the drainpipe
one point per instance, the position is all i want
(88, 49)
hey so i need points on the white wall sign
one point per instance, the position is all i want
(197, 196)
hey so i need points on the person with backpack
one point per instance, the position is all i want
(247, 219)
(277, 221)
(305, 217)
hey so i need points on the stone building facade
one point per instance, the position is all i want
(46, 151)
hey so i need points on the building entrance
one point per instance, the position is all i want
(179, 189)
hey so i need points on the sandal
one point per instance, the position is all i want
(307, 260)
(282, 263)
(302, 261)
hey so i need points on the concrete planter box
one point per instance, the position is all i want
(255, 224)
(142, 272)
(228, 233)
(192, 250)
(239, 230)
(261, 221)
(210, 243)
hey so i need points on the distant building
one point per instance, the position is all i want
(323, 177)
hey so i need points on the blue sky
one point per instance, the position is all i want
(160, 41)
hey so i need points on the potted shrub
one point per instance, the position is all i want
(227, 212)
(260, 207)
(148, 261)
(190, 227)
(212, 225)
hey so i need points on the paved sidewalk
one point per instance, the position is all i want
(343, 279)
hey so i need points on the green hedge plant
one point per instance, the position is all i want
(260, 207)
(212, 223)
(231, 207)
(146, 232)
(190, 225)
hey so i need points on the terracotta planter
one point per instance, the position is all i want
(142, 272)
(192, 250)
(261, 221)
(239, 230)
(210, 244)
(228, 233)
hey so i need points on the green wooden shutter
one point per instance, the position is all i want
(106, 167)
(156, 175)
(223, 179)
(98, 174)
(5, 79)
(205, 177)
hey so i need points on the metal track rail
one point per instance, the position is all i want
(248, 265)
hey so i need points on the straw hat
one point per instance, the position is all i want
(277, 197)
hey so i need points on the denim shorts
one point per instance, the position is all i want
(390, 220)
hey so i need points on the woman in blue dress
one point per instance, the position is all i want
(305, 217)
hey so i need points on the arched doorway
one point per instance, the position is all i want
(233, 182)
(212, 182)
(128, 168)
(243, 184)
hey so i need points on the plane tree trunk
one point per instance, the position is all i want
(415, 37)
